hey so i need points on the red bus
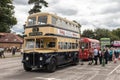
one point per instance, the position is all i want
(87, 46)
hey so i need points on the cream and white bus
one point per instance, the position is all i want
(50, 41)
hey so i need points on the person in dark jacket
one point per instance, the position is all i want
(106, 56)
(100, 56)
(13, 51)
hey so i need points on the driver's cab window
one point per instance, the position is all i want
(84, 45)
(29, 43)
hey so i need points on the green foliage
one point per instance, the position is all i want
(116, 32)
(88, 33)
(37, 5)
(100, 33)
(7, 20)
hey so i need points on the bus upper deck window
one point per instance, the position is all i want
(31, 21)
(54, 20)
(42, 20)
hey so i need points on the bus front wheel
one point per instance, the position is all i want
(75, 60)
(51, 67)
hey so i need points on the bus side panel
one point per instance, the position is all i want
(84, 54)
(61, 58)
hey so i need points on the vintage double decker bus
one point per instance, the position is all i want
(87, 46)
(50, 41)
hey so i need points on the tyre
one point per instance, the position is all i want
(51, 67)
(75, 60)
(26, 68)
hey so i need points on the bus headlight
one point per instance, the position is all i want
(40, 66)
(41, 58)
(27, 58)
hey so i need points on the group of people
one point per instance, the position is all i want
(103, 56)
(3, 50)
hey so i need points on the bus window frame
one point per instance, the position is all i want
(44, 43)
(26, 44)
(42, 19)
(84, 46)
(33, 22)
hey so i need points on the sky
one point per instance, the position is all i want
(91, 14)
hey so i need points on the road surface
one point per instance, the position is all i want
(12, 69)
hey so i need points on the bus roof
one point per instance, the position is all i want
(104, 38)
(89, 40)
(55, 15)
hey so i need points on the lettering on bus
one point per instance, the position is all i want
(74, 34)
(62, 32)
(35, 33)
(66, 33)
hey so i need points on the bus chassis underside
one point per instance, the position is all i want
(49, 61)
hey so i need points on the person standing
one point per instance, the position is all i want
(2, 52)
(106, 56)
(115, 55)
(111, 54)
(13, 51)
(90, 58)
(95, 55)
(100, 56)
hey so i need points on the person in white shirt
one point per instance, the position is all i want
(95, 52)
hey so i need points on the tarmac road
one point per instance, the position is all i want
(11, 69)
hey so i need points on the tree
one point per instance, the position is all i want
(113, 37)
(116, 32)
(37, 5)
(88, 33)
(100, 33)
(7, 19)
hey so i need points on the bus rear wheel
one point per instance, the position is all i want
(51, 67)
(26, 68)
(75, 60)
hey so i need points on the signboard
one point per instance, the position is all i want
(35, 33)
(67, 33)
(116, 43)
